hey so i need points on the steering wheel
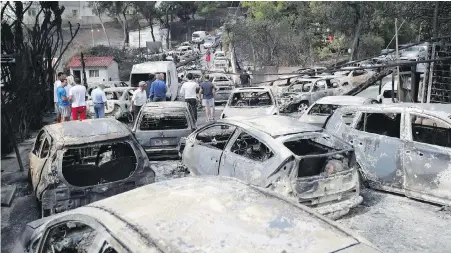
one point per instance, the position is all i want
(241, 103)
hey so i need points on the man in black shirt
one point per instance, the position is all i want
(245, 79)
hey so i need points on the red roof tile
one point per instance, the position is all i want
(90, 61)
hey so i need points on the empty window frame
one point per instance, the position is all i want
(216, 136)
(430, 131)
(387, 124)
(159, 120)
(247, 146)
(98, 164)
(69, 236)
(251, 99)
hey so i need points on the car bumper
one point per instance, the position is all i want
(339, 209)
(158, 153)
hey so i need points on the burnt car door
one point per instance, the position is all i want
(427, 158)
(376, 137)
(39, 157)
(203, 155)
(247, 158)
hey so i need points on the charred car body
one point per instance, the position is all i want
(160, 126)
(303, 92)
(118, 102)
(224, 87)
(318, 113)
(403, 148)
(154, 218)
(280, 153)
(249, 102)
(78, 162)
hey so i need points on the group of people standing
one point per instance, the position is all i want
(152, 90)
(206, 93)
(70, 99)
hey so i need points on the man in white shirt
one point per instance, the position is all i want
(55, 97)
(77, 96)
(100, 102)
(189, 90)
(70, 80)
(139, 99)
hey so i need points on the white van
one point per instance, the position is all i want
(198, 37)
(140, 72)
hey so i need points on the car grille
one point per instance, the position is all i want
(149, 123)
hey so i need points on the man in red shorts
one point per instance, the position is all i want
(77, 95)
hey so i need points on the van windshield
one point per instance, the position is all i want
(195, 35)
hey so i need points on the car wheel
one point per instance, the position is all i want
(303, 106)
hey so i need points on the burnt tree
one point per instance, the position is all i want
(27, 86)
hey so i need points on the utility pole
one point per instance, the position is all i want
(85, 82)
(400, 89)
(92, 34)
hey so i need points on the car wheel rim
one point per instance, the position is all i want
(302, 107)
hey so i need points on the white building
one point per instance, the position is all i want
(136, 37)
(74, 12)
(98, 69)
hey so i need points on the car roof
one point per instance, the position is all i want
(342, 100)
(152, 67)
(218, 214)
(273, 125)
(440, 110)
(164, 105)
(87, 131)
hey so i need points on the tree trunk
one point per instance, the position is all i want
(151, 31)
(355, 43)
(127, 39)
(434, 21)
(104, 30)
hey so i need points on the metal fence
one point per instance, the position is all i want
(438, 75)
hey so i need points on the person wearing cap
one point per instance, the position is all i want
(99, 100)
(139, 99)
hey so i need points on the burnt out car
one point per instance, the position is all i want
(193, 214)
(160, 126)
(78, 162)
(403, 148)
(280, 153)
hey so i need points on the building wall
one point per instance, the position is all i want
(103, 74)
(113, 71)
(146, 35)
(74, 12)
